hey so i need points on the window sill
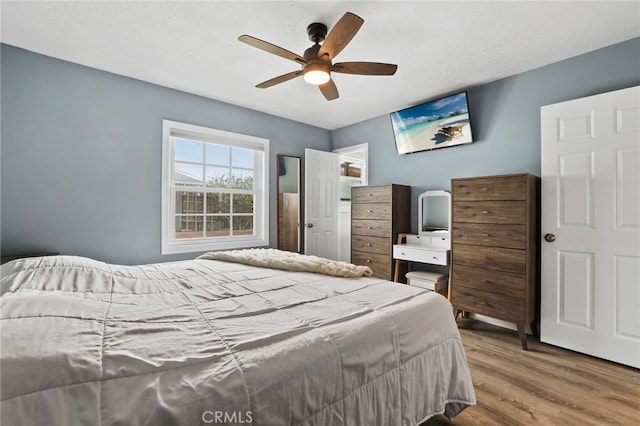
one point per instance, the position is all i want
(200, 246)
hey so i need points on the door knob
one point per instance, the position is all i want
(550, 238)
(309, 225)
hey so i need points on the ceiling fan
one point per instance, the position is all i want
(317, 61)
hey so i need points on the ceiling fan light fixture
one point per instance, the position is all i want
(317, 61)
(316, 74)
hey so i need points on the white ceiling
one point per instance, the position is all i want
(439, 46)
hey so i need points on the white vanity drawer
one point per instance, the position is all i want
(433, 241)
(420, 254)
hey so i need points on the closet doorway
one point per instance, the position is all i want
(354, 171)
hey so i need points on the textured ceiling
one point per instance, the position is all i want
(440, 47)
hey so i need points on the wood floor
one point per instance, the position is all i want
(545, 385)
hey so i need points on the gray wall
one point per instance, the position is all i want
(81, 154)
(505, 118)
(80, 168)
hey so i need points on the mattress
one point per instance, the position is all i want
(212, 342)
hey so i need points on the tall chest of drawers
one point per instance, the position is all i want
(378, 215)
(495, 247)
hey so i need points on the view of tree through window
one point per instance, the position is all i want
(215, 192)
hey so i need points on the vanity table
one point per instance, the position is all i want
(432, 244)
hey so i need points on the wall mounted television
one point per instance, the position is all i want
(434, 124)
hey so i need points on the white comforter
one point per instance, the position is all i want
(211, 342)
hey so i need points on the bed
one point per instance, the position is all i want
(207, 341)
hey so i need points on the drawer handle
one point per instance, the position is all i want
(368, 260)
(369, 195)
(369, 211)
(435, 257)
(486, 235)
(485, 211)
(368, 227)
(368, 244)
(484, 189)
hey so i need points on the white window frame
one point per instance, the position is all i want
(171, 245)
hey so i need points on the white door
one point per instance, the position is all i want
(591, 225)
(322, 171)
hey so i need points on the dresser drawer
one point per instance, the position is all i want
(509, 236)
(380, 264)
(491, 188)
(377, 228)
(495, 258)
(499, 212)
(499, 282)
(418, 254)
(371, 211)
(370, 194)
(506, 308)
(368, 244)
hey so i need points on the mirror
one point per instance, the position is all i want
(289, 217)
(434, 213)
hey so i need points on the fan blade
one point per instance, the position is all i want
(340, 35)
(272, 48)
(279, 79)
(329, 90)
(365, 68)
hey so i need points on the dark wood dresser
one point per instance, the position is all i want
(494, 247)
(378, 215)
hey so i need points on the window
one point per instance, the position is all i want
(214, 189)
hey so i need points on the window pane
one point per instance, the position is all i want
(243, 225)
(217, 182)
(218, 226)
(217, 177)
(241, 179)
(189, 202)
(188, 174)
(242, 158)
(188, 227)
(188, 150)
(218, 203)
(218, 154)
(243, 203)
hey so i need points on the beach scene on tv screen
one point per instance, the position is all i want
(436, 124)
